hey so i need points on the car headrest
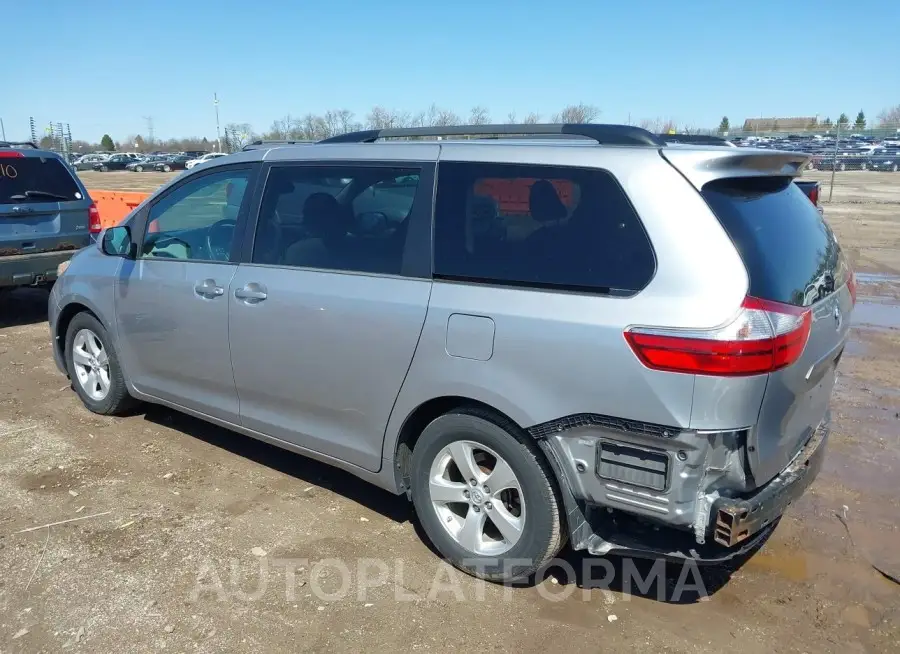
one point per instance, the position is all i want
(544, 203)
(323, 216)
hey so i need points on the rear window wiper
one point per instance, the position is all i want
(38, 194)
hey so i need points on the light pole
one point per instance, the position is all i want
(218, 138)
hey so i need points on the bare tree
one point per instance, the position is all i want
(667, 126)
(382, 118)
(479, 116)
(533, 118)
(511, 118)
(240, 134)
(577, 113)
(890, 116)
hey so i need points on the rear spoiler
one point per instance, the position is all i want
(702, 166)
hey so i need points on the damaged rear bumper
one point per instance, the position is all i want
(711, 529)
(736, 520)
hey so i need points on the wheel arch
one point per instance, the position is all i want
(423, 414)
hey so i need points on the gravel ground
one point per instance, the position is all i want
(192, 538)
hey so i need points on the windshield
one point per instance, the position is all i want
(36, 179)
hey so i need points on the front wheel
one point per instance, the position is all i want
(104, 169)
(94, 367)
(485, 496)
(167, 168)
(140, 169)
(894, 169)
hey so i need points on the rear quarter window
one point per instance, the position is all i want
(540, 226)
(18, 175)
(790, 253)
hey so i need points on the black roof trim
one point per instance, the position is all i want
(603, 134)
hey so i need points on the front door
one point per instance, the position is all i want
(172, 301)
(327, 310)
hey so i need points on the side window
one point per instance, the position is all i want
(539, 225)
(196, 221)
(335, 217)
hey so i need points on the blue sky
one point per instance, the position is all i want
(690, 61)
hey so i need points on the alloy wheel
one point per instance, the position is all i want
(91, 364)
(477, 497)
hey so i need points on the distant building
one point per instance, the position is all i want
(780, 124)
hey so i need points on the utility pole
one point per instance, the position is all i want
(149, 120)
(2, 130)
(218, 138)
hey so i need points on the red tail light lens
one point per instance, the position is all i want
(11, 154)
(94, 225)
(814, 196)
(764, 337)
(851, 286)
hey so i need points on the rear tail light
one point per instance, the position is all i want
(94, 225)
(851, 286)
(10, 154)
(764, 337)
(814, 195)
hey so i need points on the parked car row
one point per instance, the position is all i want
(851, 153)
(136, 162)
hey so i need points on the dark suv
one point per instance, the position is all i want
(45, 215)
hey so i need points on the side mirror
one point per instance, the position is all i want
(117, 242)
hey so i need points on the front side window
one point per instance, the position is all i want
(542, 226)
(336, 217)
(196, 221)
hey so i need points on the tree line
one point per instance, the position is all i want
(315, 127)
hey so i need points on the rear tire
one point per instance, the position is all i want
(88, 351)
(894, 169)
(140, 169)
(167, 168)
(104, 169)
(518, 524)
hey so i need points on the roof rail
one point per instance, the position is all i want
(695, 139)
(603, 134)
(255, 145)
(17, 144)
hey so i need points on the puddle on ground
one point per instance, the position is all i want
(877, 278)
(880, 313)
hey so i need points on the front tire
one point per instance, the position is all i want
(94, 368)
(140, 169)
(167, 169)
(104, 169)
(485, 496)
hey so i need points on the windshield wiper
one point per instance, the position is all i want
(38, 194)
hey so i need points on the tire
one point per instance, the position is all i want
(894, 168)
(533, 496)
(862, 166)
(116, 400)
(140, 169)
(104, 169)
(167, 168)
(843, 167)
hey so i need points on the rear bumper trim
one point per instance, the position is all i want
(35, 268)
(738, 519)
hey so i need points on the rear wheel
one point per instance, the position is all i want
(94, 367)
(863, 167)
(843, 167)
(140, 169)
(485, 496)
(894, 169)
(167, 168)
(104, 169)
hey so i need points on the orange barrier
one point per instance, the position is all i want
(115, 205)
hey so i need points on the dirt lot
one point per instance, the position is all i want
(191, 538)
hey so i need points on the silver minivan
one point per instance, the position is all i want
(538, 333)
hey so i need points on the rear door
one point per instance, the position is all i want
(42, 207)
(328, 304)
(792, 257)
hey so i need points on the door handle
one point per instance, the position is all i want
(251, 293)
(208, 288)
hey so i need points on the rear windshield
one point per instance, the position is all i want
(36, 179)
(790, 253)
